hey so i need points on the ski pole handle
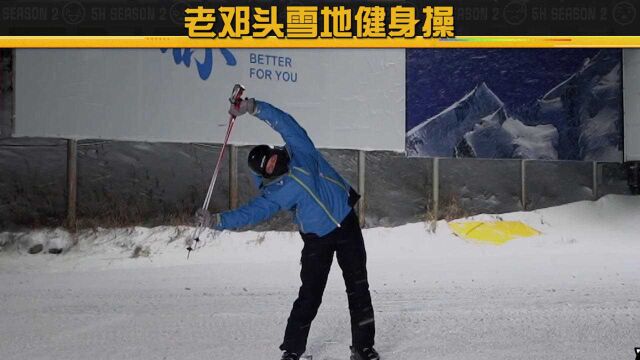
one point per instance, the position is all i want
(236, 94)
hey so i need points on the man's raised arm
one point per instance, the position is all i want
(292, 133)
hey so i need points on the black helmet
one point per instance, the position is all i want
(259, 155)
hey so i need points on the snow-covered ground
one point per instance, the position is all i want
(571, 293)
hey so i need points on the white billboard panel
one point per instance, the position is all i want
(631, 84)
(344, 98)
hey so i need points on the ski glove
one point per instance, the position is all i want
(245, 106)
(206, 219)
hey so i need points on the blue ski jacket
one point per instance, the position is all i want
(312, 189)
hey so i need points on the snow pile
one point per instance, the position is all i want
(613, 218)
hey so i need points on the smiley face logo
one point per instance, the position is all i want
(515, 12)
(176, 12)
(73, 13)
(624, 13)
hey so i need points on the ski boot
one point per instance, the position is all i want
(364, 354)
(290, 356)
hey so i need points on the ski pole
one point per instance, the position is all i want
(236, 97)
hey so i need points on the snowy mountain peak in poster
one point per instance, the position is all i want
(439, 135)
(586, 109)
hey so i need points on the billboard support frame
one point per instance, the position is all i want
(595, 175)
(12, 125)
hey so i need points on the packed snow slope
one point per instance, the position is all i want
(571, 293)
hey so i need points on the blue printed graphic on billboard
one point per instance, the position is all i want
(205, 67)
(550, 104)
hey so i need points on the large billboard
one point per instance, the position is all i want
(549, 104)
(347, 98)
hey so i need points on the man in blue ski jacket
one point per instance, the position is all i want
(299, 179)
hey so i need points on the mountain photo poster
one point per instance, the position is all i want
(545, 104)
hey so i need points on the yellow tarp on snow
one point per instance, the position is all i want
(493, 232)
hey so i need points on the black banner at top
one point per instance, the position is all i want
(472, 17)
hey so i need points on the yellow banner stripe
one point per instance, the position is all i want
(186, 42)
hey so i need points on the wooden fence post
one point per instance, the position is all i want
(436, 193)
(72, 183)
(233, 176)
(523, 183)
(362, 157)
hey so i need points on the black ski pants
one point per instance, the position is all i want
(317, 255)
